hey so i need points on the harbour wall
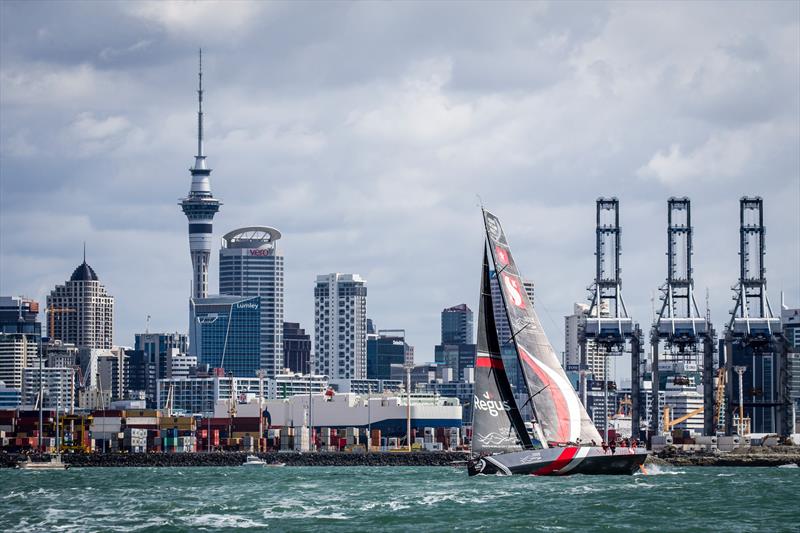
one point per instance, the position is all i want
(236, 459)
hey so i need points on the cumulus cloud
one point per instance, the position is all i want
(364, 132)
(721, 156)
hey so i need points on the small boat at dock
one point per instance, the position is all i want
(254, 460)
(54, 463)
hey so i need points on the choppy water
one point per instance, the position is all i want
(396, 499)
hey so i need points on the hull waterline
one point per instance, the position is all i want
(589, 460)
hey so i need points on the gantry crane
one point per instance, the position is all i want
(679, 324)
(608, 323)
(755, 331)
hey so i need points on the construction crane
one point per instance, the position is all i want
(607, 323)
(685, 332)
(52, 312)
(756, 333)
(669, 424)
(718, 405)
(170, 400)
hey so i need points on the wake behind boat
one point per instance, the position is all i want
(501, 443)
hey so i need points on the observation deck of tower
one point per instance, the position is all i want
(200, 206)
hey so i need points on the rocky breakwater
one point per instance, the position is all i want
(236, 459)
(753, 456)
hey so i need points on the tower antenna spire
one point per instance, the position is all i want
(200, 104)
(84, 251)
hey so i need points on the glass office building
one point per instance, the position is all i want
(226, 333)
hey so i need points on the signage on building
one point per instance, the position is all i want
(259, 252)
(247, 305)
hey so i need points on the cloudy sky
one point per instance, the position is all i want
(366, 131)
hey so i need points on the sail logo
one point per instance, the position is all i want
(502, 255)
(493, 226)
(513, 290)
(494, 407)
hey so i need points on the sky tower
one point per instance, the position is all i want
(200, 206)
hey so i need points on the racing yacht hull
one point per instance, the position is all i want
(590, 460)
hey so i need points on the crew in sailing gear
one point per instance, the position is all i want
(613, 446)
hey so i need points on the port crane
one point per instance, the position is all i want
(669, 424)
(754, 334)
(685, 333)
(607, 323)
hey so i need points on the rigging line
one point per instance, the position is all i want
(523, 328)
(535, 395)
(547, 312)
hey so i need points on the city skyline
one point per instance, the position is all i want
(347, 161)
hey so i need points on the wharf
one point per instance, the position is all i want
(754, 456)
(237, 458)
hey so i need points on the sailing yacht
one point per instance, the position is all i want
(564, 440)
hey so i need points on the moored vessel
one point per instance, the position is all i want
(54, 463)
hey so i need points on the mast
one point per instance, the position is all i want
(497, 423)
(559, 412)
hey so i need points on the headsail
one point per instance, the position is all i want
(497, 425)
(558, 408)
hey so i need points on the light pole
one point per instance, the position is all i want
(369, 418)
(408, 406)
(260, 374)
(741, 370)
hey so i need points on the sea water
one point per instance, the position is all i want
(397, 499)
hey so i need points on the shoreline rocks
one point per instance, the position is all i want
(237, 458)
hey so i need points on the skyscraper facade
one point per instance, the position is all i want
(152, 359)
(387, 348)
(200, 207)
(20, 334)
(573, 325)
(296, 348)
(226, 333)
(250, 264)
(340, 319)
(457, 325)
(81, 311)
(790, 321)
(457, 350)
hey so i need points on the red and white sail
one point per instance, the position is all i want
(558, 409)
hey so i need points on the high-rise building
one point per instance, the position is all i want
(597, 360)
(387, 348)
(250, 264)
(457, 325)
(81, 311)
(226, 333)
(340, 341)
(790, 320)
(200, 207)
(159, 350)
(20, 335)
(296, 348)
(57, 384)
(457, 350)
